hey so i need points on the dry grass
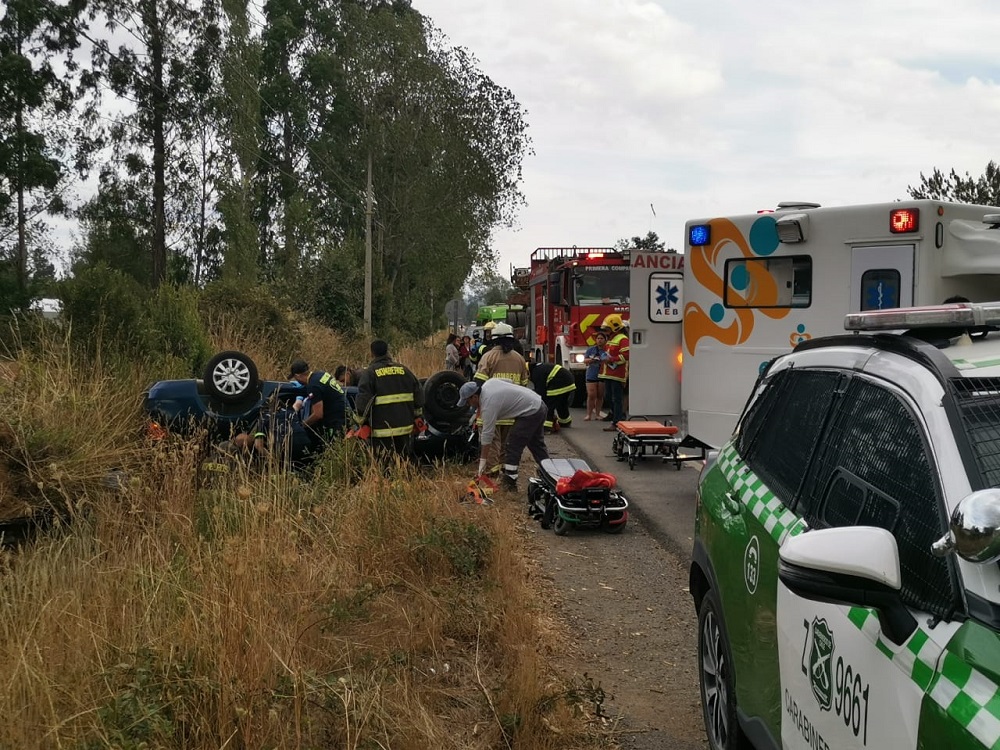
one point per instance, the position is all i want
(365, 608)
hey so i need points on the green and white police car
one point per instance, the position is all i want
(845, 560)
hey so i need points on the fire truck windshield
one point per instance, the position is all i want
(601, 287)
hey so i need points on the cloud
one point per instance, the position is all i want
(727, 107)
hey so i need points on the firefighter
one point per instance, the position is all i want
(390, 402)
(503, 362)
(478, 348)
(614, 370)
(556, 385)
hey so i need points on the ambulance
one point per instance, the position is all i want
(748, 288)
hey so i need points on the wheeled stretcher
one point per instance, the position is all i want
(567, 494)
(634, 439)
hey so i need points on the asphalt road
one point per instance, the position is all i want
(659, 494)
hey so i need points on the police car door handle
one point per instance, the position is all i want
(731, 502)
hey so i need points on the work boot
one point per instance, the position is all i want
(507, 482)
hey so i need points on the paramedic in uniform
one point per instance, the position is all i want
(501, 400)
(390, 401)
(327, 403)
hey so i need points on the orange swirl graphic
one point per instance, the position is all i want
(762, 290)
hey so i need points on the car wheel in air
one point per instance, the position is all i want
(715, 676)
(231, 377)
(441, 397)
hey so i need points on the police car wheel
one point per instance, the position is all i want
(231, 377)
(715, 676)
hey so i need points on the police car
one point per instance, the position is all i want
(845, 560)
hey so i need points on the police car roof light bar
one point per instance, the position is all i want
(959, 315)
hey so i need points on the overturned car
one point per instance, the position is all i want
(229, 396)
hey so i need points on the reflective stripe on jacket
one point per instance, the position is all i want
(389, 398)
(616, 366)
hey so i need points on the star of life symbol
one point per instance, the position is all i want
(882, 296)
(666, 295)
(820, 663)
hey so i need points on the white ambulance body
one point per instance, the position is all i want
(656, 312)
(754, 286)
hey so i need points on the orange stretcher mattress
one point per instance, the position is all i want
(646, 429)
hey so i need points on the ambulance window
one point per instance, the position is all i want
(874, 469)
(880, 289)
(779, 439)
(769, 282)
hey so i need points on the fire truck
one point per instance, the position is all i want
(568, 291)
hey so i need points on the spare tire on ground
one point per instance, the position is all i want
(231, 377)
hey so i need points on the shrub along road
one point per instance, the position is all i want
(621, 601)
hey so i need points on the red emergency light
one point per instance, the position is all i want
(904, 220)
(592, 256)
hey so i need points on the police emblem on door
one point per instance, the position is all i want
(820, 663)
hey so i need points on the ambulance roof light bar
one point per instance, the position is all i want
(959, 315)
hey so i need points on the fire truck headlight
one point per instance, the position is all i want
(578, 358)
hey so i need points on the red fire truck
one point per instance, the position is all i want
(569, 291)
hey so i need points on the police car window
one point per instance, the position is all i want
(874, 469)
(755, 417)
(851, 501)
(880, 289)
(784, 440)
(978, 402)
(769, 282)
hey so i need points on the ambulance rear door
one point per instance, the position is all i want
(656, 311)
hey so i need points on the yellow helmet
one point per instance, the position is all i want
(613, 323)
(489, 326)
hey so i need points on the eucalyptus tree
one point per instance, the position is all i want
(446, 144)
(161, 67)
(36, 43)
(241, 125)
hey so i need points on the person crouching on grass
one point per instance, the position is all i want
(498, 399)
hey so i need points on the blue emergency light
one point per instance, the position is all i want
(699, 234)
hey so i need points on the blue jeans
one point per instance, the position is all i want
(615, 391)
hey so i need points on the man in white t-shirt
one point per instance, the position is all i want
(501, 399)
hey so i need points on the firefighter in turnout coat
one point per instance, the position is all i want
(556, 385)
(390, 402)
(502, 361)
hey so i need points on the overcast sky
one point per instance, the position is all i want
(714, 107)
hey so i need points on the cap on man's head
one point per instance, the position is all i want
(299, 367)
(467, 391)
(379, 348)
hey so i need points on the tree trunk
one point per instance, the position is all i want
(158, 101)
(22, 242)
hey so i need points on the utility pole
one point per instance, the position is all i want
(368, 249)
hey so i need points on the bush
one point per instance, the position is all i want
(252, 309)
(176, 328)
(104, 305)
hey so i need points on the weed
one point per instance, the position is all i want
(465, 545)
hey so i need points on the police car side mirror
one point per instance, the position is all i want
(974, 530)
(853, 565)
